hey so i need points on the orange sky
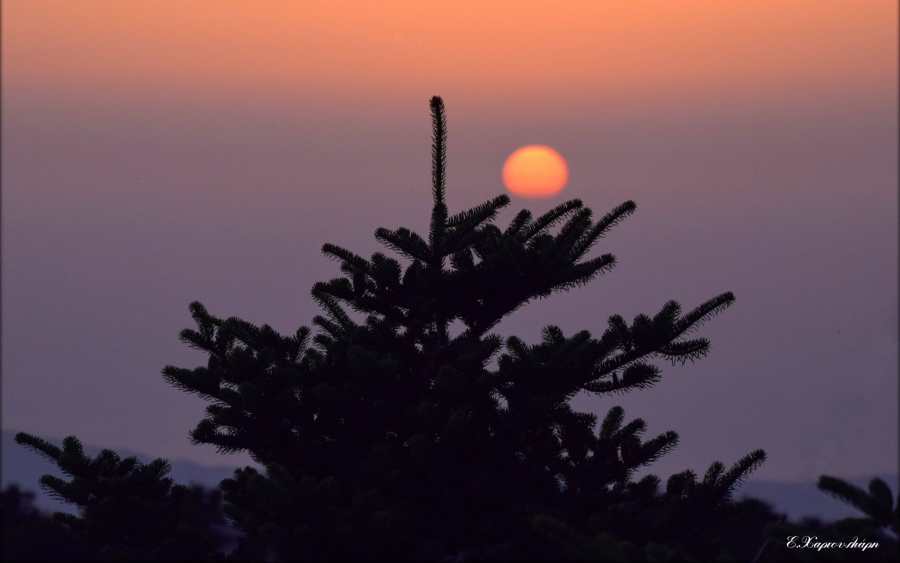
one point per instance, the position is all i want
(489, 54)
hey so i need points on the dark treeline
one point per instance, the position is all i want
(26, 534)
(384, 436)
(197, 531)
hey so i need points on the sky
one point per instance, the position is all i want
(159, 152)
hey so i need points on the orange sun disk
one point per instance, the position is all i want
(535, 171)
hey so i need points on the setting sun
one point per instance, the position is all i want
(535, 171)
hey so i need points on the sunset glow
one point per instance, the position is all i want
(607, 56)
(535, 171)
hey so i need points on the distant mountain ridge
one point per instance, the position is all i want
(20, 466)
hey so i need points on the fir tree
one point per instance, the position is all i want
(386, 436)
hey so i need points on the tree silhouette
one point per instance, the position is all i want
(386, 435)
(130, 510)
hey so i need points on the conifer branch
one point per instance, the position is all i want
(598, 230)
(883, 501)
(635, 376)
(406, 242)
(566, 238)
(741, 469)
(842, 490)
(634, 428)
(60, 490)
(580, 274)
(334, 310)
(655, 448)
(686, 350)
(550, 218)
(681, 484)
(471, 218)
(703, 313)
(612, 423)
(438, 181)
(876, 504)
(386, 271)
(199, 381)
(338, 253)
(438, 150)
(519, 222)
(40, 446)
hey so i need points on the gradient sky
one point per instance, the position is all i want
(155, 153)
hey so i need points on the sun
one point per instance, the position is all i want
(535, 171)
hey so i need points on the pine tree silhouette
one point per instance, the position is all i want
(130, 510)
(384, 436)
(390, 437)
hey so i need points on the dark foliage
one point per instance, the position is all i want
(386, 436)
(129, 510)
(27, 534)
(692, 516)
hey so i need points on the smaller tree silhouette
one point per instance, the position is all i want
(129, 510)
